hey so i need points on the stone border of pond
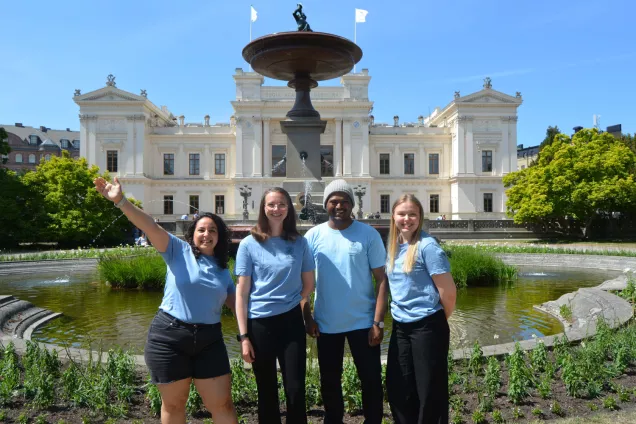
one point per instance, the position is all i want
(586, 305)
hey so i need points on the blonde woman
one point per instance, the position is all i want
(422, 298)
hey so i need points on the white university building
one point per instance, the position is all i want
(452, 160)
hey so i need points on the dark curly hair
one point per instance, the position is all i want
(222, 248)
(261, 230)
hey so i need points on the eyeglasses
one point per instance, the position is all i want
(273, 206)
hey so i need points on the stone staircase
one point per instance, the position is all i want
(19, 318)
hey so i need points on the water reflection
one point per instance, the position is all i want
(93, 312)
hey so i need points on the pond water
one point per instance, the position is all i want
(93, 313)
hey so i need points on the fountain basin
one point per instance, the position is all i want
(316, 55)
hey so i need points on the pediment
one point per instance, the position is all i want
(109, 94)
(489, 96)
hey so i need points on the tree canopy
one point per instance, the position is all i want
(574, 180)
(70, 211)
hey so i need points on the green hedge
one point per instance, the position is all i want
(469, 266)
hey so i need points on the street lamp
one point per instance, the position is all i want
(245, 192)
(359, 191)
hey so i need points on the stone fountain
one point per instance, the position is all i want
(302, 58)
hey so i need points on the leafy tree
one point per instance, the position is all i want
(550, 134)
(573, 182)
(630, 141)
(21, 217)
(4, 142)
(76, 214)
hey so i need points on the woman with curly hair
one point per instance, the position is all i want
(185, 342)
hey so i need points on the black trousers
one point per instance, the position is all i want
(279, 337)
(367, 362)
(417, 370)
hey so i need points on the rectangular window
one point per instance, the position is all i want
(219, 204)
(409, 163)
(433, 163)
(487, 202)
(385, 205)
(168, 164)
(65, 143)
(219, 164)
(18, 158)
(279, 168)
(434, 203)
(486, 161)
(111, 161)
(194, 164)
(167, 205)
(326, 161)
(33, 139)
(385, 168)
(194, 204)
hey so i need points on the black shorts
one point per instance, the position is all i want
(176, 350)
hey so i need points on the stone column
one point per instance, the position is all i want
(238, 149)
(181, 163)
(257, 150)
(445, 162)
(84, 147)
(364, 166)
(470, 150)
(504, 160)
(92, 141)
(129, 148)
(206, 163)
(346, 142)
(337, 153)
(512, 147)
(422, 161)
(267, 149)
(397, 165)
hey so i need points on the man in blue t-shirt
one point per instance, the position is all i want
(347, 253)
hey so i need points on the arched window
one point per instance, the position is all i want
(31, 158)
(47, 157)
(18, 158)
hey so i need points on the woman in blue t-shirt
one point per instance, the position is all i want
(275, 271)
(185, 343)
(422, 298)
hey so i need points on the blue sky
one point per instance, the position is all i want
(570, 59)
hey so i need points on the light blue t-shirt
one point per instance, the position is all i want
(195, 290)
(345, 298)
(414, 295)
(275, 267)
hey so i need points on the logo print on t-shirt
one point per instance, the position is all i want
(355, 248)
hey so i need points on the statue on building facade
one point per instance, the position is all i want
(301, 19)
(457, 95)
(110, 81)
(78, 92)
(487, 82)
(144, 93)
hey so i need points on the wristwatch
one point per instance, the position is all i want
(241, 337)
(380, 324)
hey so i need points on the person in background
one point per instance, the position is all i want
(275, 272)
(348, 254)
(185, 342)
(423, 297)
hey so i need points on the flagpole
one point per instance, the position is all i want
(355, 36)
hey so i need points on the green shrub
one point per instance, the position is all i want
(148, 273)
(471, 266)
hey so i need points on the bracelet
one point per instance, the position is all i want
(121, 202)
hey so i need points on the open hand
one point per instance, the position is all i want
(111, 191)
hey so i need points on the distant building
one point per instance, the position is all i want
(526, 156)
(30, 145)
(453, 160)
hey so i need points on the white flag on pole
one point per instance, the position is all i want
(254, 15)
(361, 15)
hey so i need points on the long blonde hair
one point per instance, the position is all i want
(395, 237)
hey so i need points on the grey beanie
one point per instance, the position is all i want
(336, 186)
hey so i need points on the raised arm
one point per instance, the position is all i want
(113, 192)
